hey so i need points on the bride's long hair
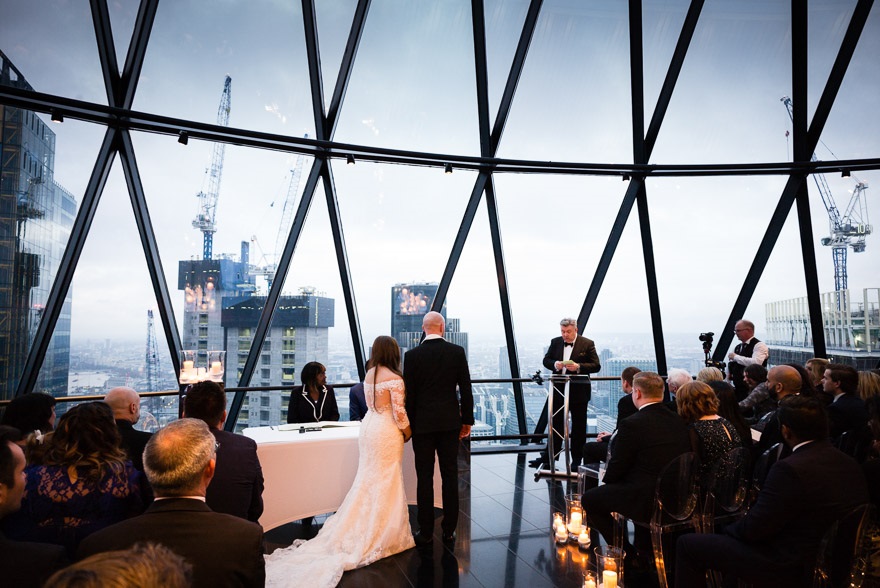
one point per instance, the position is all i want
(385, 353)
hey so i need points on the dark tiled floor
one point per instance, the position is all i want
(504, 537)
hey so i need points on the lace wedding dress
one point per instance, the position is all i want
(372, 521)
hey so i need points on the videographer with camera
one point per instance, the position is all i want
(749, 351)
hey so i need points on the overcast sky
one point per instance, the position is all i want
(413, 88)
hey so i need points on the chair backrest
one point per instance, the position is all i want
(763, 464)
(731, 480)
(676, 492)
(855, 443)
(762, 422)
(845, 549)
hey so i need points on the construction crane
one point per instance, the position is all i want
(206, 219)
(288, 208)
(848, 229)
(151, 359)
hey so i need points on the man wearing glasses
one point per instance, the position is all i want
(749, 351)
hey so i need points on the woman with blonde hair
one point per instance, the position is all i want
(712, 436)
(373, 521)
(869, 384)
(710, 374)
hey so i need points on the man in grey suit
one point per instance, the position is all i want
(436, 374)
(224, 550)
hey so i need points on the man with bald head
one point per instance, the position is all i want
(782, 381)
(126, 406)
(223, 550)
(440, 406)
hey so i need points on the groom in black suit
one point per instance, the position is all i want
(581, 352)
(440, 416)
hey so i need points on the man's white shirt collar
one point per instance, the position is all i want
(429, 337)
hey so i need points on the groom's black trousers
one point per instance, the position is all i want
(445, 445)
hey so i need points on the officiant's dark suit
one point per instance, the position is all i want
(584, 354)
(440, 406)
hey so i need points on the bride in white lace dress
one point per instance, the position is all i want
(373, 521)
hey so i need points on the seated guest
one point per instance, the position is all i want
(146, 565)
(758, 401)
(30, 412)
(869, 385)
(644, 444)
(675, 379)
(712, 436)
(237, 486)
(816, 367)
(782, 381)
(126, 406)
(597, 450)
(847, 411)
(22, 564)
(223, 550)
(776, 543)
(84, 483)
(710, 374)
(314, 401)
(728, 408)
(357, 403)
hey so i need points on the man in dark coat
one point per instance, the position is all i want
(223, 550)
(440, 406)
(644, 444)
(126, 406)
(776, 543)
(237, 486)
(573, 355)
(22, 564)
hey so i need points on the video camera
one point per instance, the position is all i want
(707, 339)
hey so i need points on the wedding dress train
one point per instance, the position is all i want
(373, 521)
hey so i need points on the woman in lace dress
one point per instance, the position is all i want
(84, 483)
(373, 521)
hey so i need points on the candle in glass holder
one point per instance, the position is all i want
(216, 368)
(575, 524)
(561, 535)
(589, 581)
(584, 539)
(609, 579)
(558, 521)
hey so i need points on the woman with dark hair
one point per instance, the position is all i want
(712, 436)
(808, 388)
(84, 483)
(373, 521)
(31, 412)
(314, 401)
(728, 408)
(758, 402)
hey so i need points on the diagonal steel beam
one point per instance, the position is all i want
(460, 238)
(299, 220)
(344, 271)
(313, 54)
(106, 49)
(675, 65)
(69, 259)
(481, 69)
(829, 93)
(519, 59)
(137, 51)
(504, 295)
(348, 56)
(151, 248)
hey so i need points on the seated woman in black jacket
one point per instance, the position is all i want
(313, 401)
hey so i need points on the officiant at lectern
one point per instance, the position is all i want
(574, 355)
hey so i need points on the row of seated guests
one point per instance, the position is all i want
(79, 479)
(644, 443)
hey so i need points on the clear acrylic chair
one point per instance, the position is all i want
(845, 550)
(675, 509)
(727, 498)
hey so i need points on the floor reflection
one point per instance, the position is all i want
(504, 536)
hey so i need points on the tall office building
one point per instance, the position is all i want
(36, 217)
(851, 322)
(409, 305)
(297, 336)
(208, 285)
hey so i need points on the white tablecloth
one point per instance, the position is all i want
(310, 473)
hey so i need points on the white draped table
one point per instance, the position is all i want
(308, 474)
